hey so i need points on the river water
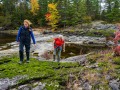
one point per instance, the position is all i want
(6, 38)
(44, 46)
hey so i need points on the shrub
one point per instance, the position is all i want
(102, 64)
(99, 33)
(116, 60)
(87, 19)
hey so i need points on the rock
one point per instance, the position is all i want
(25, 87)
(114, 84)
(104, 26)
(36, 54)
(4, 46)
(15, 80)
(47, 32)
(14, 89)
(99, 75)
(107, 77)
(110, 43)
(71, 78)
(77, 87)
(93, 66)
(1, 28)
(6, 83)
(81, 59)
(71, 53)
(40, 86)
(47, 55)
(84, 40)
(94, 42)
(87, 86)
(35, 84)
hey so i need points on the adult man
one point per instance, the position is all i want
(24, 36)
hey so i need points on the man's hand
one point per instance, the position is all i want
(18, 43)
(34, 45)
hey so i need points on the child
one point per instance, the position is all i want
(58, 44)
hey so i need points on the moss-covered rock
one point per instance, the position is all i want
(38, 71)
(64, 75)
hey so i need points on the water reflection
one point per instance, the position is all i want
(6, 38)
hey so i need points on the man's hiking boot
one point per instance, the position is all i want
(21, 55)
(28, 55)
(20, 62)
(27, 61)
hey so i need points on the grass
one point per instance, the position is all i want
(38, 70)
(106, 67)
(99, 33)
(56, 76)
(116, 60)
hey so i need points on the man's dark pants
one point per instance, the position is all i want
(21, 50)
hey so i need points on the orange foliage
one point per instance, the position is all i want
(52, 16)
(47, 16)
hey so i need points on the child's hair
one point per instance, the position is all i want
(61, 36)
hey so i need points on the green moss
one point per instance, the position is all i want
(56, 76)
(116, 60)
(72, 30)
(93, 58)
(38, 70)
(99, 33)
(102, 64)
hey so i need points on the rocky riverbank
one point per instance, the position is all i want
(86, 65)
(87, 72)
(44, 45)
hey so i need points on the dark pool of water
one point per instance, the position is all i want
(74, 50)
(6, 38)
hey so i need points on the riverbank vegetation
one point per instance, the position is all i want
(70, 12)
(99, 70)
(57, 77)
(92, 33)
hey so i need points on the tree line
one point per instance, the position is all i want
(70, 12)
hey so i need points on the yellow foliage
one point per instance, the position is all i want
(53, 16)
(34, 6)
(52, 6)
(87, 19)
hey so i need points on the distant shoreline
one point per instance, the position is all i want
(14, 32)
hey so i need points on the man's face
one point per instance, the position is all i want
(26, 25)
